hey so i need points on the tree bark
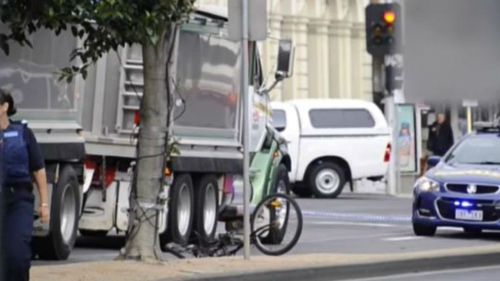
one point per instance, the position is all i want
(142, 241)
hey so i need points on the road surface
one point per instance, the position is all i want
(353, 223)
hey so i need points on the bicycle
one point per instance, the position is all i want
(273, 219)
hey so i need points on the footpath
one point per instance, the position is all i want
(291, 267)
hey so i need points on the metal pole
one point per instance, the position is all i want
(391, 113)
(469, 119)
(246, 131)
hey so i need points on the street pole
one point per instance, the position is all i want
(378, 72)
(246, 130)
(469, 119)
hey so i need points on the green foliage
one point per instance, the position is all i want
(101, 25)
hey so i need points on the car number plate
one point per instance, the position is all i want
(472, 215)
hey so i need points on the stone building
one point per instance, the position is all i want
(330, 56)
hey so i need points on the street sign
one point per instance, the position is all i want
(257, 20)
(470, 103)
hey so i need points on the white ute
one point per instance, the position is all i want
(332, 142)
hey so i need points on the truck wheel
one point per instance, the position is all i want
(207, 205)
(301, 190)
(93, 233)
(180, 212)
(282, 186)
(327, 180)
(64, 215)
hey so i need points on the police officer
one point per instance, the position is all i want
(22, 163)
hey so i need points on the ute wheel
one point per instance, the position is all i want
(64, 214)
(473, 230)
(423, 229)
(282, 186)
(327, 180)
(207, 206)
(302, 190)
(180, 212)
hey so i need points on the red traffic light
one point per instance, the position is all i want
(389, 17)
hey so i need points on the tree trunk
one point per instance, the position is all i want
(142, 241)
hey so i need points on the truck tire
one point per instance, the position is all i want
(282, 185)
(207, 206)
(64, 214)
(93, 233)
(180, 212)
(327, 180)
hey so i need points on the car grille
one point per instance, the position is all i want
(480, 189)
(447, 208)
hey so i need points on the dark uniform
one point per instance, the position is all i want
(21, 156)
(440, 138)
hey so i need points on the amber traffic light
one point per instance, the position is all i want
(383, 29)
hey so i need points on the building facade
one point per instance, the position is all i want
(330, 54)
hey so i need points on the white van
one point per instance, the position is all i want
(332, 142)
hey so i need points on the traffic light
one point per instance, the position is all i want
(393, 78)
(383, 29)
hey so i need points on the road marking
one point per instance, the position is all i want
(357, 217)
(403, 238)
(316, 240)
(351, 223)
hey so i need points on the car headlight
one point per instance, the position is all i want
(427, 185)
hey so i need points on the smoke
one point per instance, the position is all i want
(452, 50)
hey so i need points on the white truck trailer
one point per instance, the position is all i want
(87, 132)
(208, 121)
(52, 110)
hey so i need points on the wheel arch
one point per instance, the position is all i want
(332, 159)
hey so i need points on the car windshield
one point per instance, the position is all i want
(476, 150)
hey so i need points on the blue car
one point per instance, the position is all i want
(462, 189)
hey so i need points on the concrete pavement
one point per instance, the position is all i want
(312, 267)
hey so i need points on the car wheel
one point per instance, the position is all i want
(473, 230)
(327, 180)
(424, 229)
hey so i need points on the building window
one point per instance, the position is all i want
(341, 118)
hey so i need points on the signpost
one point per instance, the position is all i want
(469, 104)
(247, 22)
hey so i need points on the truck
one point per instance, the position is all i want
(52, 110)
(332, 142)
(87, 130)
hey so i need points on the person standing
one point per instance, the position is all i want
(22, 163)
(440, 136)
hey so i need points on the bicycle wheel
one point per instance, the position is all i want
(278, 214)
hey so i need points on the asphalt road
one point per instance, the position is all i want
(353, 223)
